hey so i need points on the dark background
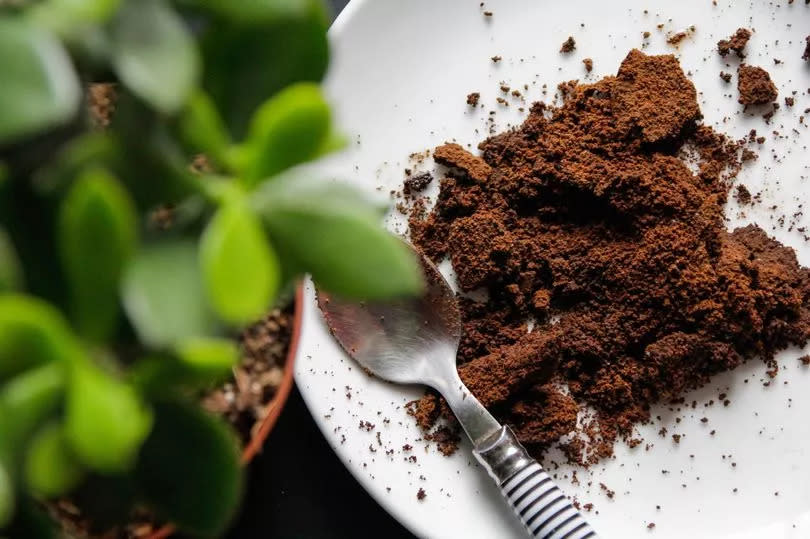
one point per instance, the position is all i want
(297, 487)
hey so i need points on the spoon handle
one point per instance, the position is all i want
(537, 501)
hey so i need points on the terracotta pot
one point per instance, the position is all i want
(274, 407)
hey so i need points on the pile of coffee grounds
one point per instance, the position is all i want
(601, 221)
(755, 86)
(736, 43)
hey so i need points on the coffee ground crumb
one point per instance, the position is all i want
(742, 194)
(676, 38)
(421, 494)
(416, 183)
(736, 43)
(588, 64)
(495, 59)
(806, 55)
(472, 98)
(755, 86)
(725, 76)
(569, 45)
(805, 359)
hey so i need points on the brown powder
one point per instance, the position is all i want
(755, 86)
(589, 219)
(472, 98)
(569, 45)
(736, 43)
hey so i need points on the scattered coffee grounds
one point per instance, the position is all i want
(743, 195)
(588, 64)
(806, 55)
(569, 45)
(736, 43)
(416, 184)
(602, 221)
(473, 98)
(755, 86)
(725, 76)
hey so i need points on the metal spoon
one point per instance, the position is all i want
(415, 341)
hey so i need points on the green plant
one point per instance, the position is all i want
(110, 323)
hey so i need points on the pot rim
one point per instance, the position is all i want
(276, 404)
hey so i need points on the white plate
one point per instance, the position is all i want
(399, 78)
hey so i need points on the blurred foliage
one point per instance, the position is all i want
(125, 272)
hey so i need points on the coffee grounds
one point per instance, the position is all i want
(473, 98)
(806, 55)
(743, 195)
(601, 221)
(416, 184)
(588, 62)
(736, 43)
(569, 45)
(755, 86)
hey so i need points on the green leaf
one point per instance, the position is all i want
(197, 363)
(254, 11)
(150, 160)
(247, 64)
(6, 497)
(51, 469)
(288, 129)
(82, 152)
(335, 234)
(40, 89)
(202, 128)
(189, 469)
(97, 233)
(240, 269)
(32, 332)
(11, 277)
(207, 357)
(105, 420)
(88, 11)
(25, 402)
(70, 17)
(154, 54)
(164, 297)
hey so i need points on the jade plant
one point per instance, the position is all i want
(126, 272)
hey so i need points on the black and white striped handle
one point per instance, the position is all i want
(538, 502)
